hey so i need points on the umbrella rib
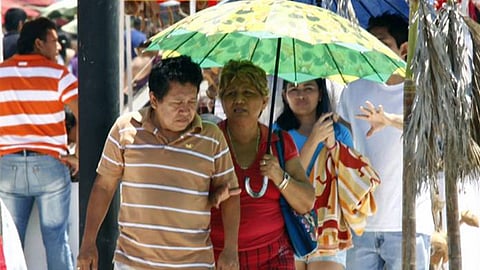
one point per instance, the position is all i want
(335, 62)
(213, 48)
(254, 49)
(373, 67)
(166, 35)
(294, 60)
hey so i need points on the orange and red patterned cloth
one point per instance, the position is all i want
(344, 184)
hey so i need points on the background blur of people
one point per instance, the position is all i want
(14, 20)
(137, 36)
(67, 53)
(71, 29)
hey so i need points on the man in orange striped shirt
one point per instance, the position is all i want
(167, 161)
(33, 92)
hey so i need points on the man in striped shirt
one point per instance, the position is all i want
(33, 92)
(169, 163)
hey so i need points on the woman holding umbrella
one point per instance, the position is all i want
(263, 242)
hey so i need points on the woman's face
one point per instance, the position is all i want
(303, 98)
(242, 101)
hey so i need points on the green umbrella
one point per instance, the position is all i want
(309, 42)
(291, 40)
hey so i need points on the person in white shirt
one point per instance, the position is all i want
(378, 135)
(12, 247)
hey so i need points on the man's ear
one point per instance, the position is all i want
(37, 44)
(153, 100)
(404, 50)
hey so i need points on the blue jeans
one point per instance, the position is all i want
(44, 179)
(383, 250)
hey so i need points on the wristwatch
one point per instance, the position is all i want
(286, 179)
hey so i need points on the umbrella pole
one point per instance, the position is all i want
(274, 94)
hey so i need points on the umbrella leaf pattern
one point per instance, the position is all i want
(314, 41)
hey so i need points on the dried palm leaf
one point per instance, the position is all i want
(475, 118)
(344, 9)
(424, 129)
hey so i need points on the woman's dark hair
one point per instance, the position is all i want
(32, 30)
(287, 119)
(179, 69)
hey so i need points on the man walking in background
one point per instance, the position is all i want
(14, 20)
(33, 92)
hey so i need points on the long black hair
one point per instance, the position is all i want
(287, 119)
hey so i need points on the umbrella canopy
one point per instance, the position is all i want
(365, 9)
(291, 40)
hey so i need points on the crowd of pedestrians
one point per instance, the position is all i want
(203, 192)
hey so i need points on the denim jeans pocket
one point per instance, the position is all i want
(8, 174)
(48, 174)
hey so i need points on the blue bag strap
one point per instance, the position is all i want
(281, 160)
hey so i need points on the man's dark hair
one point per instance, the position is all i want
(396, 26)
(287, 119)
(177, 69)
(137, 23)
(13, 17)
(32, 30)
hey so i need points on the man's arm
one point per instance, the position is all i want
(72, 160)
(73, 106)
(100, 198)
(228, 259)
(378, 118)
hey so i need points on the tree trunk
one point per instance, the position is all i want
(453, 226)
(409, 189)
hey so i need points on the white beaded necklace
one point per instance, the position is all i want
(248, 188)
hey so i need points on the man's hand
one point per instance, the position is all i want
(88, 257)
(228, 260)
(378, 119)
(221, 194)
(72, 162)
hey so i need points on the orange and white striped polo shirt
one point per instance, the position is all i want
(164, 218)
(33, 92)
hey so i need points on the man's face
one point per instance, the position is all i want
(177, 109)
(49, 47)
(382, 34)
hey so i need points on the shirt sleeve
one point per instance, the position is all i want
(224, 170)
(343, 135)
(290, 149)
(68, 87)
(112, 162)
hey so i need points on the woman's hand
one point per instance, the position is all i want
(323, 130)
(270, 167)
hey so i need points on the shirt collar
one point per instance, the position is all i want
(143, 116)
